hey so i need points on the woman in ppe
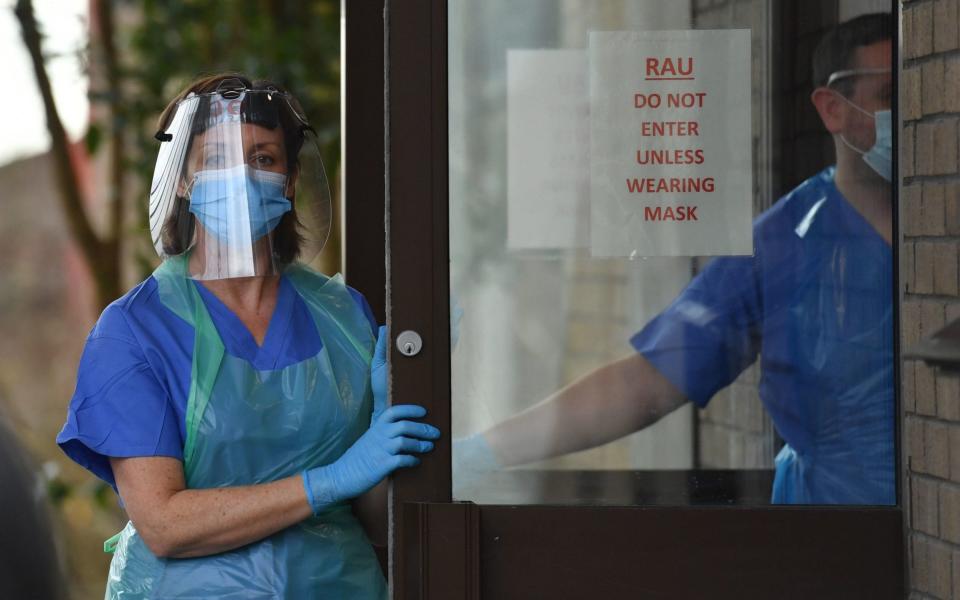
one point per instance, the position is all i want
(228, 398)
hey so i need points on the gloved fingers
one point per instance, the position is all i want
(402, 411)
(413, 429)
(378, 374)
(474, 454)
(379, 404)
(380, 352)
(406, 445)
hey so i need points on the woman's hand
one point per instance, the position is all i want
(378, 374)
(178, 522)
(388, 445)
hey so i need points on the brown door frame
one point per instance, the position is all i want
(450, 550)
(363, 157)
(415, 39)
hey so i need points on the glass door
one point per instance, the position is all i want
(619, 232)
(557, 136)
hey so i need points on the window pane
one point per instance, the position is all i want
(654, 259)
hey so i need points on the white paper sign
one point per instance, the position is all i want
(671, 164)
(547, 149)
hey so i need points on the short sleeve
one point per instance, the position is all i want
(119, 407)
(710, 333)
(365, 307)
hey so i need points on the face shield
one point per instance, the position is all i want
(239, 187)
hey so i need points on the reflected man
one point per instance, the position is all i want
(814, 305)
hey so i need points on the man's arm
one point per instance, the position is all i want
(604, 405)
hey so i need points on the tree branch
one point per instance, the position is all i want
(105, 20)
(67, 177)
(100, 257)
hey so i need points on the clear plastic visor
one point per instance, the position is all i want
(239, 186)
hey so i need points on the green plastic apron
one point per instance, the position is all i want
(246, 427)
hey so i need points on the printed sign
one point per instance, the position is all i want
(547, 149)
(670, 154)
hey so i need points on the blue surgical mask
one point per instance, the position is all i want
(218, 197)
(880, 156)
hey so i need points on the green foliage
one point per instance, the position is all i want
(103, 496)
(58, 490)
(293, 42)
(93, 138)
(98, 492)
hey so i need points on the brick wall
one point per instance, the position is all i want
(930, 225)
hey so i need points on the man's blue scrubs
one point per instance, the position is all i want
(134, 376)
(816, 304)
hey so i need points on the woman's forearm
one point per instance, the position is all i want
(198, 522)
(607, 404)
(178, 522)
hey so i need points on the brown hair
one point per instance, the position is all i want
(835, 52)
(178, 230)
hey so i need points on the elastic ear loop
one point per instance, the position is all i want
(854, 105)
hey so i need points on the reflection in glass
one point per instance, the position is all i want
(732, 379)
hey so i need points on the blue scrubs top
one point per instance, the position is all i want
(815, 303)
(134, 376)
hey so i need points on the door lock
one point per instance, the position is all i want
(409, 343)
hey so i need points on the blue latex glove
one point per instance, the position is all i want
(388, 445)
(473, 460)
(378, 374)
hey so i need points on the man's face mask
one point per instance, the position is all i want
(878, 157)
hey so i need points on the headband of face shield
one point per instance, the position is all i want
(239, 187)
(878, 157)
